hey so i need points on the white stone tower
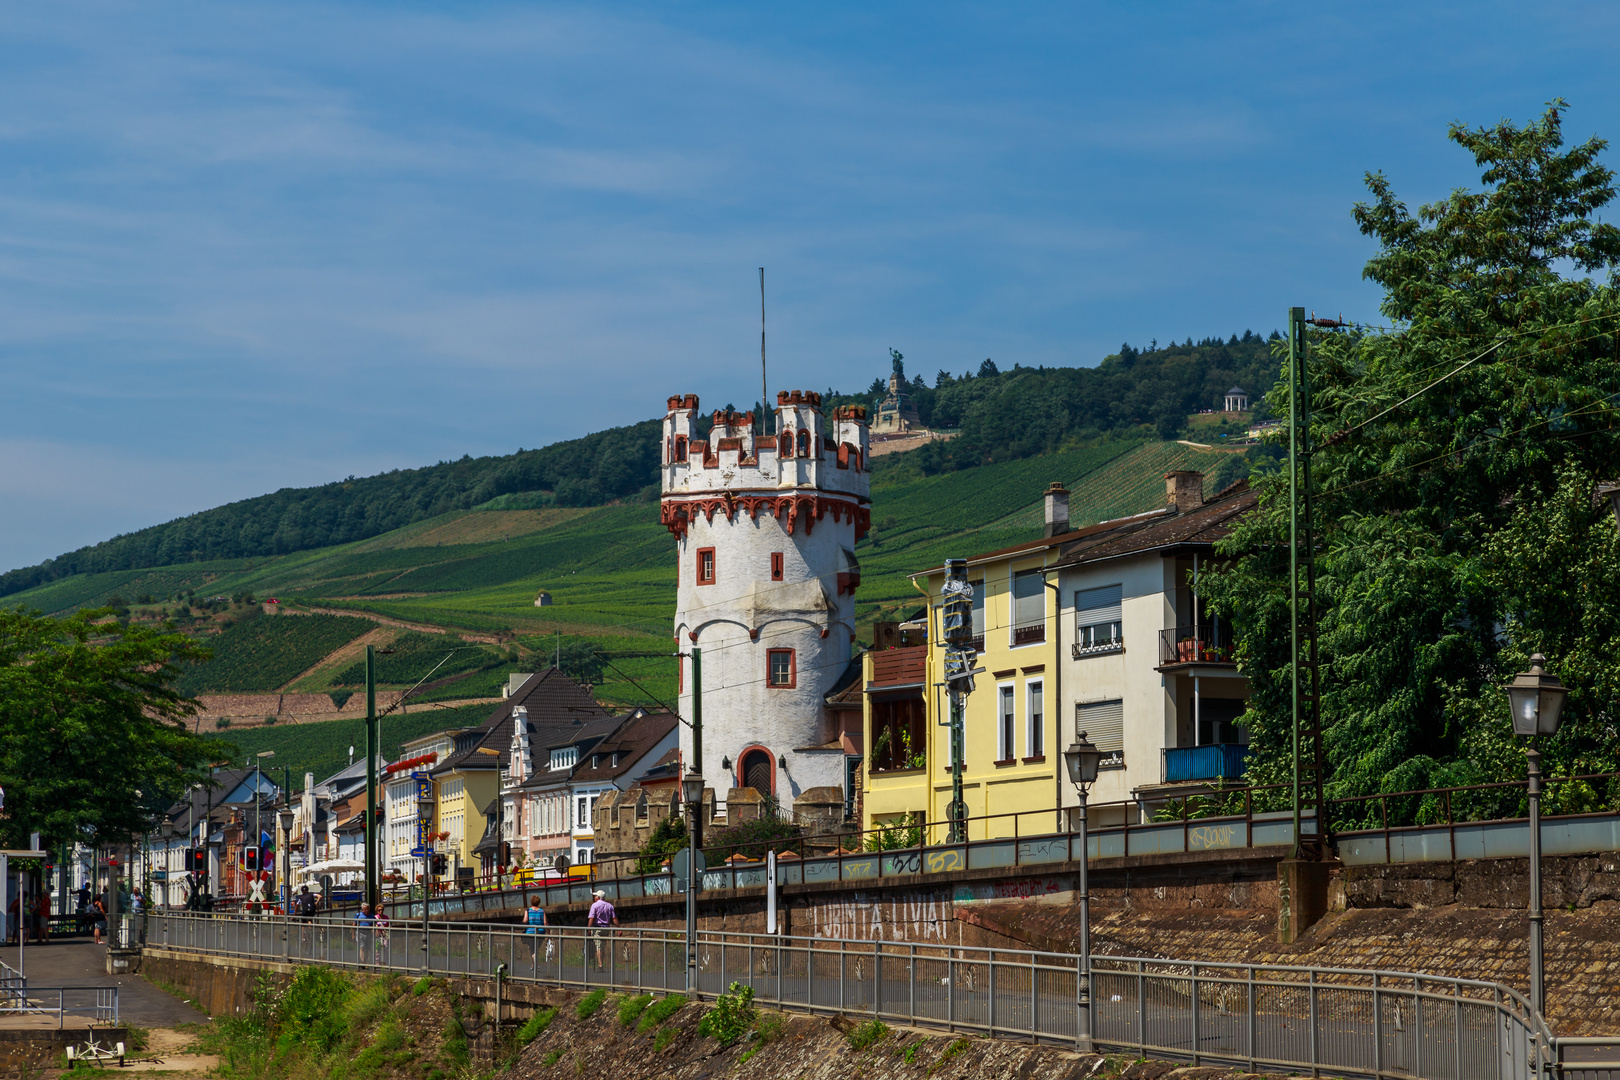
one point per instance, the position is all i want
(765, 532)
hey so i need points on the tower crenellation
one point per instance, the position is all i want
(765, 530)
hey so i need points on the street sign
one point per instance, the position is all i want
(681, 864)
(420, 852)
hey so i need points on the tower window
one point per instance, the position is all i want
(781, 670)
(776, 566)
(804, 443)
(705, 566)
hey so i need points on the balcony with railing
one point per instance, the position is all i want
(1212, 761)
(1184, 645)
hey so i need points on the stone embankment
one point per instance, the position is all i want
(790, 1046)
(1582, 946)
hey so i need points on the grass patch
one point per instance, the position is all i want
(535, 1025)
(867, 1034)
(422, 986)
(770, 1028)
(665, 1037)
(631, 1008)
(551, 1058)
(660, 1011)
(590, 1003)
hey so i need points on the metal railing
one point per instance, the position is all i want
(1345, 1021)
(100, 1003)
(1212, 761)
(1195, 645)
(1177, 830)
(13, 985)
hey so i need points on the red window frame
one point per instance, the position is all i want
(777, 564)
(701, 578)
(792, 668)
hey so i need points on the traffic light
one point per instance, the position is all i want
(250, 859)
(505, 858)
(197, 860)
(438, 864)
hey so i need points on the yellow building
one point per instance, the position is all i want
(1012, 756)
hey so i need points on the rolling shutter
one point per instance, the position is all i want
(1029, 598)
(1097, 605)
(1104, 724)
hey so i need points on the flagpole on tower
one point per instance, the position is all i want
(764, 386)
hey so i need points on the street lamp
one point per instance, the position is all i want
(692, 793)
(284, 818)
(1083, 760)
(1536, 700)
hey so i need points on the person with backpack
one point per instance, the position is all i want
(535, 919)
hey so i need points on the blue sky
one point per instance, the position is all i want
(251, 246)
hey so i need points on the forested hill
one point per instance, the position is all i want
(1001, 415)
(613, 464)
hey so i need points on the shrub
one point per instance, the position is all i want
(310, 1010)
(732, 1016)
(590, 1003)
(551, 1058)
(665, 1037)
(421, 986)
(631, 1008)
(864, 1035)
(660, 1011)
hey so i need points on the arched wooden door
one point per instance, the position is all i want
(757, 772)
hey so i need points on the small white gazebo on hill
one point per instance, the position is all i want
(1237, 400)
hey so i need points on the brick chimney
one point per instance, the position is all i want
(1184, 490)
(1057, 510)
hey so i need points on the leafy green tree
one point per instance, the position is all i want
(1457, 455)
(95, 735)
(668, 837)
(581, 661)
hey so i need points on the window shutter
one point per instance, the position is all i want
(1104, 724)
(1097, 605)
(1029, 600)
(978, 609)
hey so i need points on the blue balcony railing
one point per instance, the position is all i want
(1215, 761)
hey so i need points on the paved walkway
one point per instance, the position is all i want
(81, 962)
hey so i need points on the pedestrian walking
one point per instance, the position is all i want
(535, 918)
(599, 918)
(362, 929)
(380, 929)
(98, 908)
(42, 918)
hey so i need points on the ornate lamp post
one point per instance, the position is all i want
(1083, 760)
(1536, 700)
(692, 793)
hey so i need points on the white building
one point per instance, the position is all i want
(1146, 671)
(765, 531)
